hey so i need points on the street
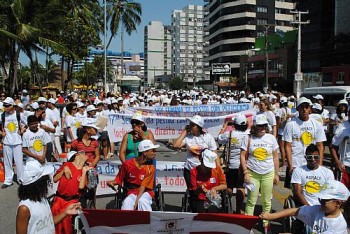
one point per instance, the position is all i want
(9, 200)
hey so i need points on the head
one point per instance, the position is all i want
(2, 96)
(77, 156)
(316, 108)
(208, 160)
(318, 99)
(8, 104)
(264, 104)
(147, 149)
(260, 126)
(196, 125)
(342, 107)
(332, 195)
(90, 128)
(304, 108)
(137, 121)
(240, 122)
(72, 108)
(312, 156)
(33, 122)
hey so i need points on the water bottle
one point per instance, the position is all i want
(92, 179)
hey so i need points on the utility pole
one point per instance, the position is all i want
(267, 26)
(298, 76)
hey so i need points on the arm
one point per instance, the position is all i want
(150, 136)
(274, 130)
(122, 151)
(276, 166)
(320, 147)
(336, 157)
(141, 191)
(22, 219)
(66, 171)
(83, 179)
(72, 209)
(69, 130)
(178, 142)
(288, 148)
(27, 152)
(280, 214)
(97, 156)
(298, 194)
(244, 166)
(47, 128)
(44, 151)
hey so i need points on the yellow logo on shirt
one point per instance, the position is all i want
(260, 154)
(234, 140)
(38, 145)
(306, 138)
(11, 127)
(77, 124)
(312, 187)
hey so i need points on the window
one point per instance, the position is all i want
(341, 76)
(262, 9)
(261, 21)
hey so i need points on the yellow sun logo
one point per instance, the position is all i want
(77, 124)
(312, 187)
(234, 140)
(306, 138)
(260, 154)
(38, 145)
(12, 127)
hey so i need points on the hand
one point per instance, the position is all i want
(67, 172)
(111, 185)
(41, 158)
(290, 170)
(3, 133)
(340, 166)
(213, 192)
(136, 205)
(265, 216)
(276, 179)
(247, 178)
(86, 168)
(72, 209)
(203, 188)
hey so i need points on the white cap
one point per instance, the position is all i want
(209, 158)
(343, 101)
(35, 105)
(20, 105)
(283, 99)
(272, 97)
(120, 99)
(138, 116)
(113, 100)
(33, 171)
(197, 120)
(52, 100)
(240, 119)
(71, 154)
(90, 108)
(318, 96)
(42, 99)
(80, 104)
(303, 100)
(146, 145)
(88, 123)
(98, 101)
(260, 119)
(204, 97)
(24, 91)
(9, 101)
(316, 106)
(333, 189)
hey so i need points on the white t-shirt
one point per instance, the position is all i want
(282, 113)
(317, 117)
(72, 123)
(50, 115)
(315, 218)
(301, 134)
(35, 142)
(41, 220)
(337, 140)
(50, 125)
(237, 139)
(311, 181)
(203, 141)
(11, 128)
(335, 118)
(260, 157)
(58, 127)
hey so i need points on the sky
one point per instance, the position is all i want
(152, 10)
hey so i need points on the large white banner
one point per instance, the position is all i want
(165, 127)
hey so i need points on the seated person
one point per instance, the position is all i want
(137, 175)
(308, 179)
(208, 176)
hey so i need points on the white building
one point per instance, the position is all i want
(188, 44)
(157, 50)
(234, 25)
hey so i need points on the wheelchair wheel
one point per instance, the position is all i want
(119, 197)
(288, 221)
(159, 198)
(226, 203)
(185, 207)
(91, 204)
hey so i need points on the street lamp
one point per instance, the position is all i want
(105, 46)
(266, 57)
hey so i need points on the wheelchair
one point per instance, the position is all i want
(158, 203)
(292, 224)
(226, 205)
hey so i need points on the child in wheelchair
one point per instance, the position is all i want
(207, 180)
(324, 218)
(137, 176)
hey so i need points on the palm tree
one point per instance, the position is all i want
(125, 14)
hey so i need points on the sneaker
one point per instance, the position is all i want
(4, 186)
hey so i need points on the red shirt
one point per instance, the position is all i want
(69, 187)
(60, 100)
(213, 179)
(89, 150)
(132, 177)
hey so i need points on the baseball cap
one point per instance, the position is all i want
(80, 104)
(42, 99)
(120, 99)
(303, 100)
(146, 145)
(209, 158)
(9, 101)
(240, 119)
(138, 116)
(283, 99)
(90, 108)
(35, 105)
(24, 91)
(316, 106)
(204, 97)
(343, 101)
(52, 100)
(197, 120)
(33, 171)
(89, 123)
(261, 119)
(333, 189)
(20, 105)
(71, 154)
(318, 96)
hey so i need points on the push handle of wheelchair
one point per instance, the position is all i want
(112, 186)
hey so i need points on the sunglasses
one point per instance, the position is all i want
(41, 103)
(325, 201)
(312, 157)
(7, 105)
(135, 122)
(261, 125)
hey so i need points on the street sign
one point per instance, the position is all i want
(221, 69)
(298, 77)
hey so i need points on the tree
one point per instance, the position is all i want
(177, 83)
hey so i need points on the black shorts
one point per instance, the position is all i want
(103, 136)
(234, 178)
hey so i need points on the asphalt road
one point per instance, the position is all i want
(9, 200)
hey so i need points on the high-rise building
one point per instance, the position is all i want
(157, 48)
(234, 25)
(188, 44)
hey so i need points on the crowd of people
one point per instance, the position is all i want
(286, 135)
